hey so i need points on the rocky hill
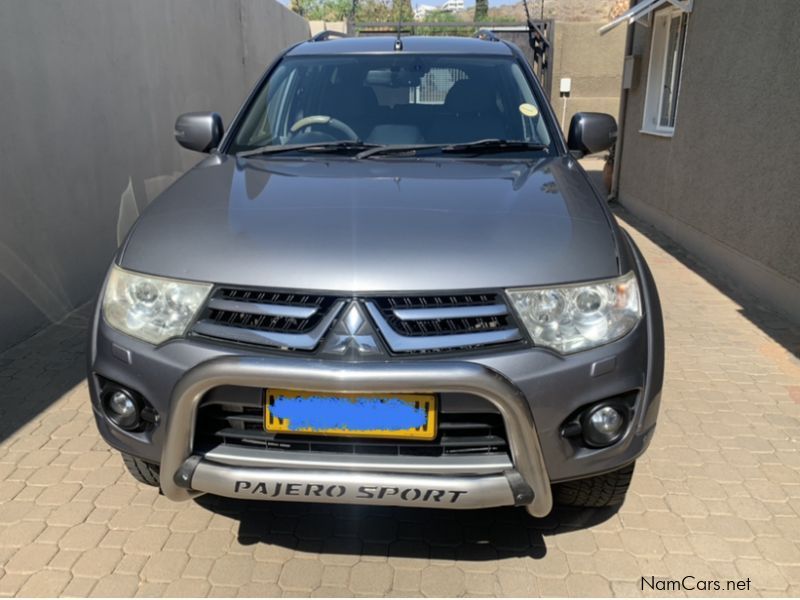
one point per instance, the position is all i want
(560, 10)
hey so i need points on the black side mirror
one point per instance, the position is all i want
(591, 132)
(199, 131)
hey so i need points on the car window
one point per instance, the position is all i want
(393, 99)
(263, 121)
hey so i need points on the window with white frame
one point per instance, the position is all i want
(664, 74)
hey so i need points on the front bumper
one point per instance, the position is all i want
(526, 484)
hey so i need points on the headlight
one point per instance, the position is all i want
(153, 309)
(576, 317)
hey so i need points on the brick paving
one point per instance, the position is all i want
(716, 497)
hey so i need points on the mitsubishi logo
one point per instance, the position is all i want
(352, 336)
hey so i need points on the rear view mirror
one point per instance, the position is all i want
(199, 131)
(591, 132)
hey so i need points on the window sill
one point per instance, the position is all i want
(663, 134)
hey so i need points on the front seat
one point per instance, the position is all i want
(470, 100)
(355, 105)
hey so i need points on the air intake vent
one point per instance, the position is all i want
(243, 426)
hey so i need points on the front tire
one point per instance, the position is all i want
(599, 491)
(142, 471)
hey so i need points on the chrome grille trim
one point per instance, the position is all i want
(407, 324)
(430, 343)
(453, 312)
(257, 308)
(296, 341)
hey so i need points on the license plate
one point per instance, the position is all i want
(401, 416)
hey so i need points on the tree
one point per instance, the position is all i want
(443, 16)
(322, 10)
(374, 11)
(402, 11)
(481, 10)
(298, 6)
(341, 10)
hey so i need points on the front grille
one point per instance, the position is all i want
(242, 425)
(393, 306)
(235, 306)
(288, 320)
(407, 324)
(417, 324)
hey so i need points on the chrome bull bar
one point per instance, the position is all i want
(184, 475)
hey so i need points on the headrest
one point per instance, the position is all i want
(469, 96)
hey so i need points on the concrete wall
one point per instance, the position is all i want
(593, 62)
(725, 185)
(320, 26)
(90, 92)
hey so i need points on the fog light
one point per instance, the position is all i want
(607, 420)
(603, 425)
(122, 409)
(122, 404)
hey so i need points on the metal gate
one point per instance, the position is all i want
(534, 38)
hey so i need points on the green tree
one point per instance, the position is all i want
(374, 11)
(298, 7)
(481, 10)
(323, 10)
(442, 16)
(402, 11)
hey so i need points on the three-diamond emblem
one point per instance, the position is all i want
(352, 336)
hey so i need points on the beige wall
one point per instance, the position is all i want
(725, 186)
(320, 26)
(594, 63)
(89, 93)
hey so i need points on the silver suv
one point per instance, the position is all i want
(389, 282)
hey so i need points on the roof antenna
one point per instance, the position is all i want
(398, 43)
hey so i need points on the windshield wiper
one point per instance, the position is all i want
(493, 145)
(338, 146)
(484, 146)
(397, 149)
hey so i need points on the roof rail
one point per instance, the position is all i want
(328, 34)
(486, 34)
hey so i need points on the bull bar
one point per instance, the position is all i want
(184, 475)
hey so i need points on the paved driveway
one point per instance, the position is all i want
(717, 496)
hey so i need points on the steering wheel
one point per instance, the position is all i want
(315, 120)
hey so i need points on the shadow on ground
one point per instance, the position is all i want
(773, 324)
(473, 535)
(40, 370)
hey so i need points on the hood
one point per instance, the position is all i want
(376, 225)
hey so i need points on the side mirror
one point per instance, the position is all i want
(199, 131)
(591, 132)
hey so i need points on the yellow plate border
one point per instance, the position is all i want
(428, 433)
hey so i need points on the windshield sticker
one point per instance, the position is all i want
(529, 110)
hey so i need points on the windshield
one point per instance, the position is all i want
(392, 100)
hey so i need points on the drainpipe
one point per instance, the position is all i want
(623, 107)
